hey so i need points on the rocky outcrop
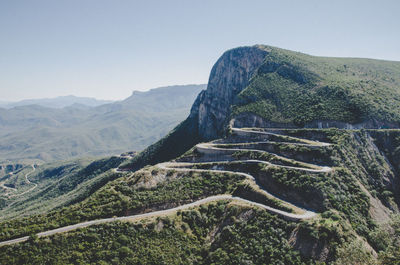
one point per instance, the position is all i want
(309, 246)
(229, 76)
(211, 110)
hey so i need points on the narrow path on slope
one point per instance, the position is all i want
(29, 190)
(311, 169)
(291, 216)
(305, 142)
(146, 215)
(183, 166)
(28, 182)
(215, 148)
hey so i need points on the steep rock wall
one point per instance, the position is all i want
(229, 76)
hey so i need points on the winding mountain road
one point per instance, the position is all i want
(27, 182)
(147, 215)
(214, 148)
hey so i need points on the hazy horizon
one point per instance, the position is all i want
(94, 97)
(106, 50)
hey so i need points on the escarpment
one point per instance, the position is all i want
(209, 115)
(264, 86)
(229, 76)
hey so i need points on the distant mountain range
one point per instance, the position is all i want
(58, 102)
(80, 129)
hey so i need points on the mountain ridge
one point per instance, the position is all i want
(273, 87)
(31, 132)
(57, 102)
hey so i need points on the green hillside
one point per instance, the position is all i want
(296, 88)
(178, 239)
(352, 202)
(38, 189)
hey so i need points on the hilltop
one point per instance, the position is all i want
(265, 86)
(291, 89)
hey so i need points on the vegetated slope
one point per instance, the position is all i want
(352, 199)
(46, 134)
(37, 189)
(295, 89)
(216, 233)
(265, 86)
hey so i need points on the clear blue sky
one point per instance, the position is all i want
(108, 48)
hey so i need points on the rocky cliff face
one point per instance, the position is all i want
(229, 76)
(284, 94)
(232, 73)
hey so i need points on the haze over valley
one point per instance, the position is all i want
(39, 133)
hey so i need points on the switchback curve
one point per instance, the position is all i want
(185, 167)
